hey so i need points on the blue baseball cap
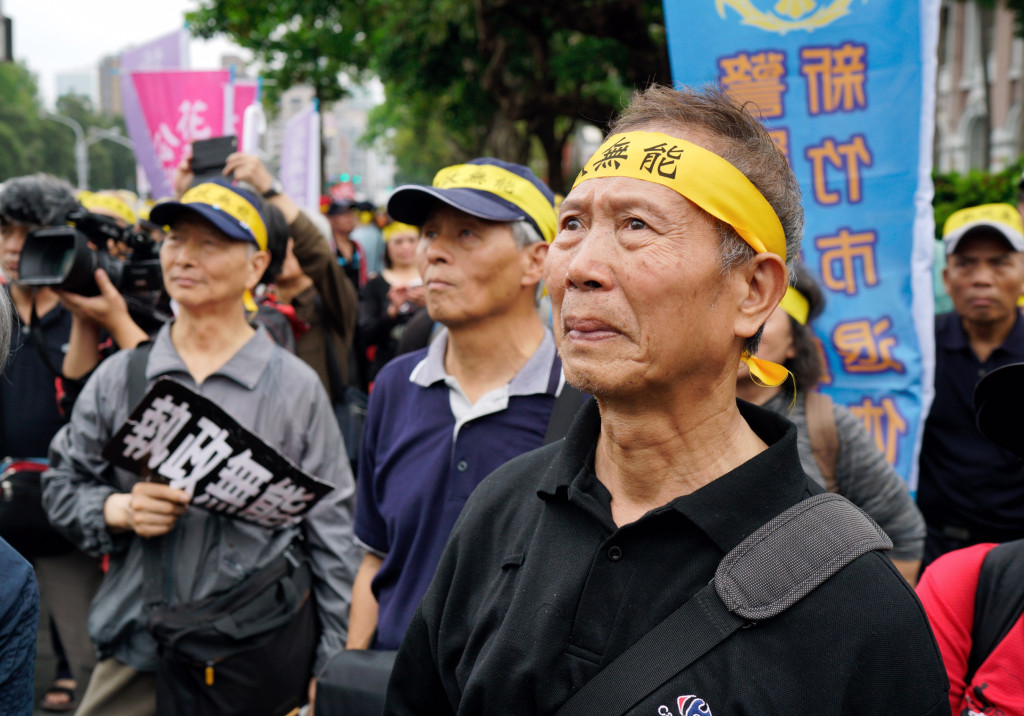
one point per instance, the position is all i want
(232, 210)
(486, 188)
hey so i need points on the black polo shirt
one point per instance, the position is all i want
(966, 480)
(29, 415)
(538, 590)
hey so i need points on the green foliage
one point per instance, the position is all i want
(954, 191)
(462, 77)
(29, 143)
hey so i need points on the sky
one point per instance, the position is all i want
(54, 36)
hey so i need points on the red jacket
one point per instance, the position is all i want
(947, 591)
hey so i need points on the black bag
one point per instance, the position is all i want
(23, 521)
(217, 655)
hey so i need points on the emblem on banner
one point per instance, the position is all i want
(786, 15)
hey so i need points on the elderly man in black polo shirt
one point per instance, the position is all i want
(970, 490)
(670, 255)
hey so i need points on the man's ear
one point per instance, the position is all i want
(533, 262)
(766, 278)
(258, 263)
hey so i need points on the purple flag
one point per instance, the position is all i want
(167, 52)
(300, 159)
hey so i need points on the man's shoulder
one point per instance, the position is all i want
(521, 477)
(398, 370)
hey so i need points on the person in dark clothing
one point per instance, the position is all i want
(971, 490)
(671, 254)
(30, 415)
(392, 298)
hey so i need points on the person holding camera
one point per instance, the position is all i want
(30, 416)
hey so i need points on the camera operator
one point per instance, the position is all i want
(29, 417)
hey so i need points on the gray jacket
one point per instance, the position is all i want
(270, 392)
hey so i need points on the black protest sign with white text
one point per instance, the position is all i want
(178, 437)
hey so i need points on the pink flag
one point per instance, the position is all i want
(180, 107)
(245, 94)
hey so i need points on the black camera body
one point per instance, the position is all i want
(61, 257)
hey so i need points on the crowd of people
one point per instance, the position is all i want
(549, 437)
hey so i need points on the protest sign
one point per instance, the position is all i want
(846, 88)
(178, 437)
(300, 158)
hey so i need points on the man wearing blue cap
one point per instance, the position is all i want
(214, 253)
(440, 419)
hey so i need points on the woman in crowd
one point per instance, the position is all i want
(391, 298)
(834, 447)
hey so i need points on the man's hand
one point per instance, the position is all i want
(149, 510)
(105, 310)
(249, 168)
(183, 174)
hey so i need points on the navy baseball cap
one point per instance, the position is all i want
(486, 188)
(232, 210)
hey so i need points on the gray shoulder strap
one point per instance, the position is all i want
(770, 571)
(783, 561)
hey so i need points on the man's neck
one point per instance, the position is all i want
(207, 341)
(485, 356)
(748, 390)
(986, 337)
(654, 450)
(21, 297)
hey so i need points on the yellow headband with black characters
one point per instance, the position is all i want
(710, 182)
(234, 205)
(703, 177)
(504, 184)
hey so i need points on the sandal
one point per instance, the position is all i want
(59, 698)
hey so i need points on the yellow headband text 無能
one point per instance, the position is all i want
(703, 177)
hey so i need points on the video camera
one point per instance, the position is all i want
(60, 257)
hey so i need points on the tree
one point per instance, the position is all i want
(954, 191)
(505, 77)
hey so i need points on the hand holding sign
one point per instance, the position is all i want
(190, 452)
(149, 510)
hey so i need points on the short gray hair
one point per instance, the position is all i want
(525, 233)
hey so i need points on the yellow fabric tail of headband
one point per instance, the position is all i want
(505, 184)
(765, 372)
(703, 177)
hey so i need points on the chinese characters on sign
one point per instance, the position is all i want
(179, 437)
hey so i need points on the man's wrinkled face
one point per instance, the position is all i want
(202, 267)
(12, 241)
(472, 269)
(639, 299)
(984, 277)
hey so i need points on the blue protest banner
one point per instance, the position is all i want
(846, 88)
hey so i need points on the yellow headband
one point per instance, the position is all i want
(703, 177)
(114, 204)
(795, 304)
(234, 205)
(397, 226)
(506, 185)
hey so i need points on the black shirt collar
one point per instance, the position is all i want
(950, 334)
(727, 509)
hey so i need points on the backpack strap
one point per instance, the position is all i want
(137, 362)
(770, 571)
(821, 429)
(998, 601)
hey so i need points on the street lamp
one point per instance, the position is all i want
(83, 142)
(81, 148)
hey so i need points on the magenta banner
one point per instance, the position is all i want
(166, 52)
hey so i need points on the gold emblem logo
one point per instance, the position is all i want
(787, 15)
